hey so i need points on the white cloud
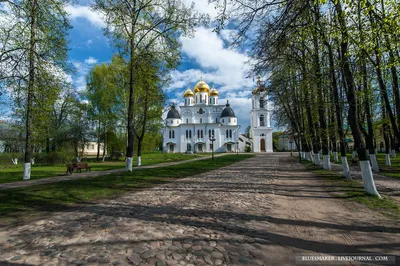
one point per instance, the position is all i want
(88, 43)
(84, 12)
(224, 66)
(91, 60)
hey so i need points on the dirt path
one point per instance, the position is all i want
(262, 211)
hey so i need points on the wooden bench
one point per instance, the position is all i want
(78, 167)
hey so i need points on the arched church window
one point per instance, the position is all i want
(187, 121)
(230, 133)
(198, 133)
(189, 147)
(227, 134)
(201, 120)
(173, 134)
(213, 133)
(170, 134)
(209, 133)
(187, 134)
(190, 134)
(201, 111)
(262, 103)
(261, 120)
(202, 136)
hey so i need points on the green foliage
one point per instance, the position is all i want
(247, 149)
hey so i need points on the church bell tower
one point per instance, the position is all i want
(260, 124)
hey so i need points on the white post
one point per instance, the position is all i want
(139, 161)
(368, 179)
(27, 171)
(327, 162)
(14, 161)
(129, 164)
(374, 162)
(346, 169)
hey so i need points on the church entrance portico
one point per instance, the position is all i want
(199, 147)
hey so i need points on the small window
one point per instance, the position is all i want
(187, 121)
(187, 134)
(209, 133)
(227, 134)
(198, 133)
(213, 132)
(230, 133)
(92, 146)
(190, 134)
(202, 134)
(211, 146)
(229, 120)
(201, 120)
(201, 111)
(170, 134)
(262, 103)
(222, 120)
(173, 134)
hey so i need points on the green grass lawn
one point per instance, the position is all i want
(392, 171)
(355, 191)
(14, 173)
(20, 204)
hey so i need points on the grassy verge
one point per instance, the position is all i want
(355, 192)
(15, 172)
(22, 204)
(391, 171)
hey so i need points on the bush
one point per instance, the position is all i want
(247, 149)
(6, 158)
(53, 157)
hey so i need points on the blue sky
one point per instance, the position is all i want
(206, 55)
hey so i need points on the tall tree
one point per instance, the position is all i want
(34, 52)
(139, 26)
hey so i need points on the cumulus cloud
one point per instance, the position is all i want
(91, 60)
(218, 64)
(82, 69)
(84, 12)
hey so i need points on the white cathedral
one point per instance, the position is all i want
(205, 125)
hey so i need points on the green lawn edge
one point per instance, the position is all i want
(384, 205)
(20, 205)
(13, 173)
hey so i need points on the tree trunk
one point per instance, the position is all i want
(369, 184)
(98, 144)
(31, 89)
(338, 112)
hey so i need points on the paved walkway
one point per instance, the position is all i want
(92, 174)
(262, 211)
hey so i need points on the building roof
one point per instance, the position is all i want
(173, 113)
(228, 111)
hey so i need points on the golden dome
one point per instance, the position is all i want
(214, 91)
(188, 93)
(201, 86)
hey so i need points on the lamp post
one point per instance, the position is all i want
(237, 148)
(212, 139)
